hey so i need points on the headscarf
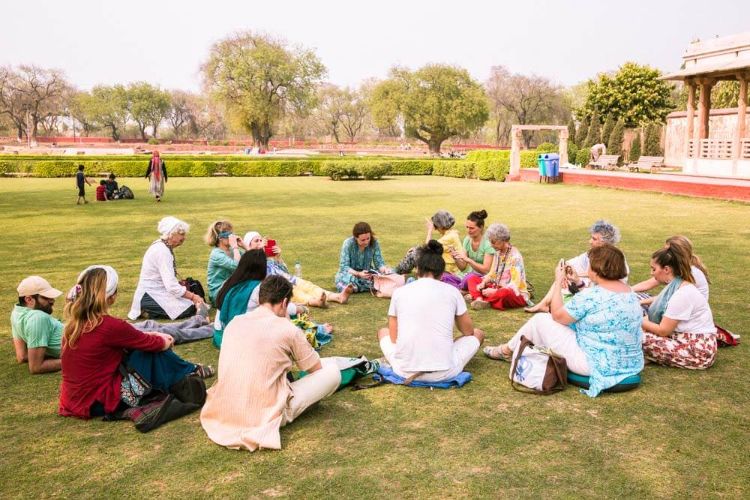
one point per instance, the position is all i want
(250, 236)
(112, 280)
(169, 225)
(156, 166)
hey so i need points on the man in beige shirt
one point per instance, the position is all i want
(252, 398)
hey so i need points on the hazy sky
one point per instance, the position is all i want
(165, 41)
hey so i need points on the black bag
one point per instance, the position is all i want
(125, 193)
(194, 286)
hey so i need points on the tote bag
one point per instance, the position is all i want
(537, 369)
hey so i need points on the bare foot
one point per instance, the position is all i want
(321, 302)
(540, 307)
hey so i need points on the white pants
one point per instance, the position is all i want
(310, 389)
(463, 350)
(542, 330)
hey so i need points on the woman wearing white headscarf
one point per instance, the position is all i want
(159, 293)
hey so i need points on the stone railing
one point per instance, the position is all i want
(711, 149)
(745, 149)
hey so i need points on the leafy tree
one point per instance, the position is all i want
(635, 148)
(354, 113)
(382, 103)
(594, 135)
(82, 108)
(524, 100)
(258, 79)
(583, 131)
(609, 124)
(572, 129)
(725, 94)
(110, 108)
(436, 102)
(148, 106)
(614, 143)
(652, 139)
(330, 110)
(180, 114)
(634, 93)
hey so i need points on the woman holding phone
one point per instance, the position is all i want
(227, 249)
(304, 292)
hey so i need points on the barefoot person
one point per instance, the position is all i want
(475, 256)
(418, 342)
(597, 332)
(360, 255)
(306, 293)
(601, 232)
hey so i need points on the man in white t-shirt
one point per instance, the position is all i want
(418, 343)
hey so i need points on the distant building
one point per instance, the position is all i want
(711, 142)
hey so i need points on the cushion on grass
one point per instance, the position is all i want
(628, 384)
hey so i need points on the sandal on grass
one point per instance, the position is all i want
(496, 353)
(204, 371)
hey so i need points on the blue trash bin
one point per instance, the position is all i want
(553, 166)
(542, 166)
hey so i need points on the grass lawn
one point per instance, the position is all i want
(680, 434)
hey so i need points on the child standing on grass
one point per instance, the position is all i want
(80, 180)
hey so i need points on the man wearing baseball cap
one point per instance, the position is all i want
(37, 336)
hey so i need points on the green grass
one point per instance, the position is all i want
(680, 434)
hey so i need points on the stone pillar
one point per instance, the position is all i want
(515, 155)
(705, 107)
(690, 123)
(563, 146)
(741, 114)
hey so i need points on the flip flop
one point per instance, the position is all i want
(496, 353)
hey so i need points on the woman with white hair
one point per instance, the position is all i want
(159, 293)
(504, 286)
(602, 232)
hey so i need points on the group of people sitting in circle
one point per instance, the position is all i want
(591, 316)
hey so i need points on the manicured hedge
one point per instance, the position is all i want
(485, 165)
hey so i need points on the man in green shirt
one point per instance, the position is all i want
(37, 336)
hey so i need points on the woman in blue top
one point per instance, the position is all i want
(360, 254)
(598, 331)
(224, 257)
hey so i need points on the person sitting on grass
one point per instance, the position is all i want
(159, 294)
(253, 397)
(504, 286)
(306, 293)
(418, 342)
(101, 191)
(227, 248)
(680, 329)
(360, 256)
(598, 331)
(601, 232)
(443, 221)
(37, 335)
(100, 350)
(111, 187)
(475, 256)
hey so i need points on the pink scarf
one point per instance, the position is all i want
(156, 166)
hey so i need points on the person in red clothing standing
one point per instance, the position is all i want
(95, 345)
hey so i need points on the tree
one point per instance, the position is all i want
(82, 108)
(634, 93)
(258, 79)
(614, 142)
(572, 129)
(330, 110)
(354, 113)
(383, 101)
(652, 140)
(525, 99)
(110, 108)
(31, 95)
(594, 135)
(583, 131)
(635, 148)
(609, 125)
(180, 114)
(148, 105)
(436, 102)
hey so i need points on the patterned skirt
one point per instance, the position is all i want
(681, 350)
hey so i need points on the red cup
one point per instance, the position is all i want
(269, 247)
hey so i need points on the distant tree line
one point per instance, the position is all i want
(262, 86)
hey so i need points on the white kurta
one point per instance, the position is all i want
(159, 281)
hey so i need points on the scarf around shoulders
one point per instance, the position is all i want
(235, 301)
(659, 305)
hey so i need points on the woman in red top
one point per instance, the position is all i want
(95, 343)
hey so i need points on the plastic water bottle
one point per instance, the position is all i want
(298, 269)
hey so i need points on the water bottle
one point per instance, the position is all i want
(297, 269)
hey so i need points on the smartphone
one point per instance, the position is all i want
(269, 247)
